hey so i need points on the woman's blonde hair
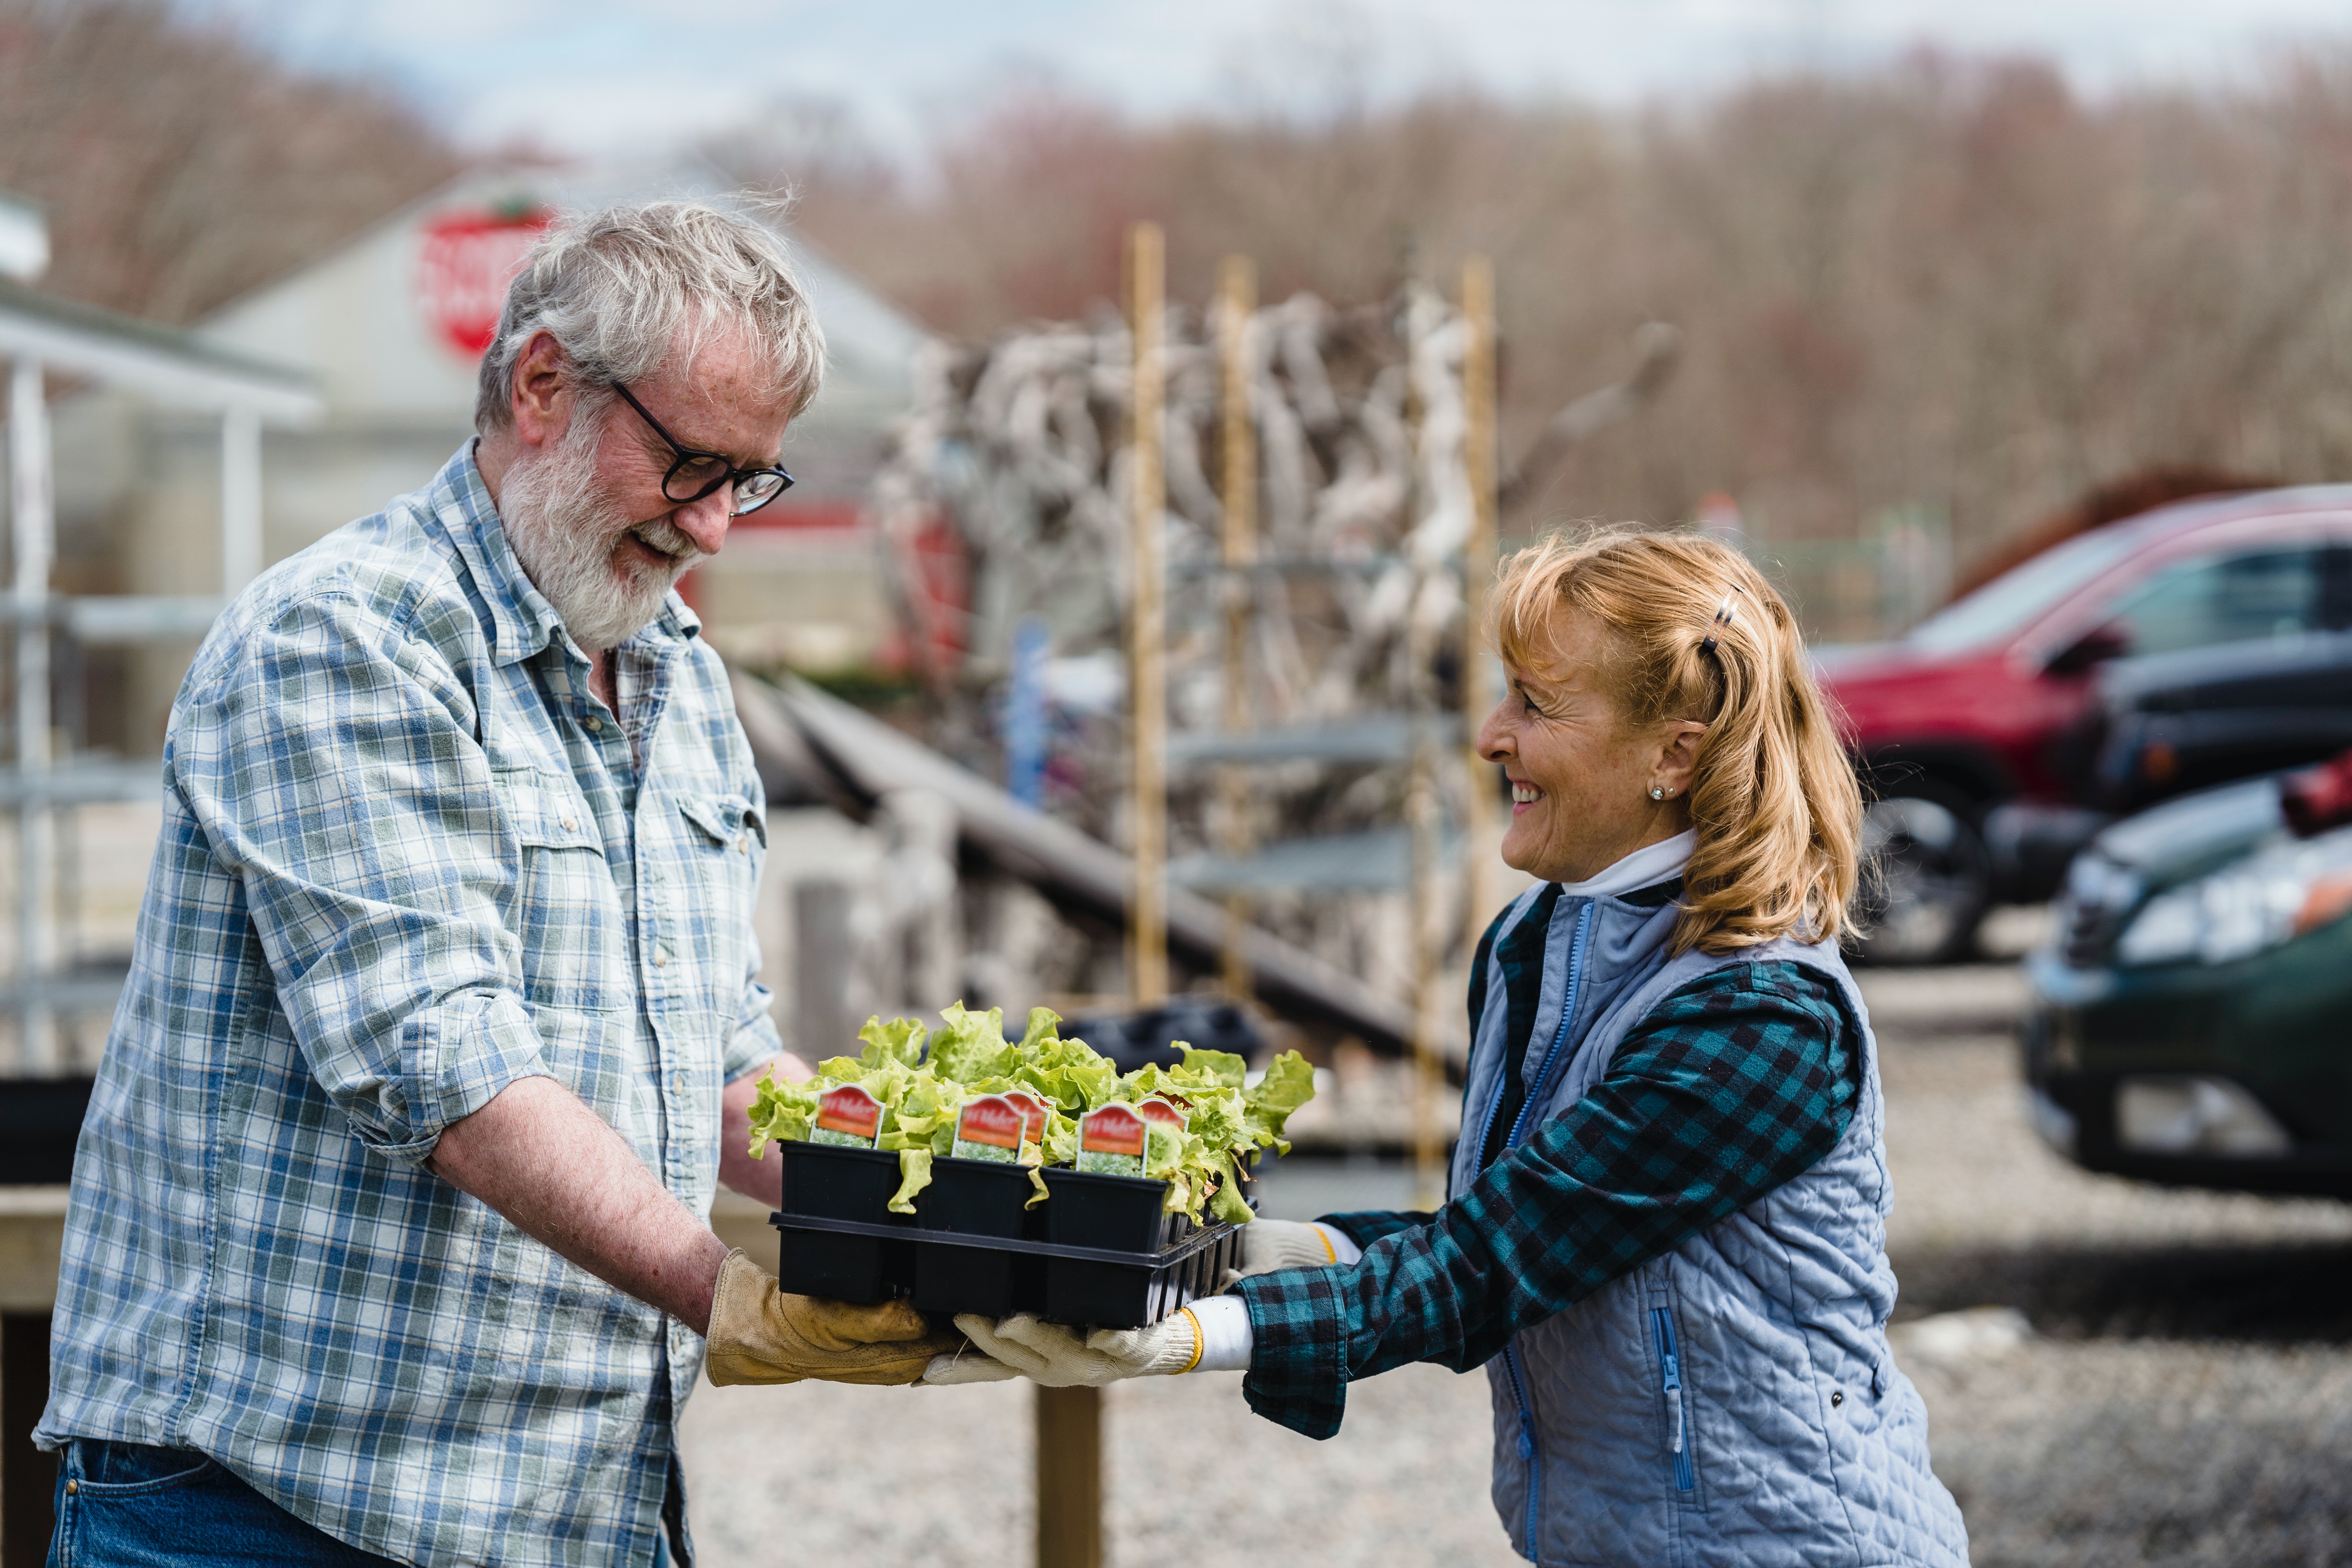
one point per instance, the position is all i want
(1695, 631)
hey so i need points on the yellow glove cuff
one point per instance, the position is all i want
(1200, 1341)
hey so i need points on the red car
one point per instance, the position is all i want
(1968, 729)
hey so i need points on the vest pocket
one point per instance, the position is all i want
(1676, 1401)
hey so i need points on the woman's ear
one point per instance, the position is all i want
(1677, 756)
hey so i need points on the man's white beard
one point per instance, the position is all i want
(565, 533)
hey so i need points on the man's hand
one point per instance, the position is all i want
(1054, 1357)
(758, 1334)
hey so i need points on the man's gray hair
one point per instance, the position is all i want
(627, 288)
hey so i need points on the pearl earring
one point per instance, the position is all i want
(1657, 794)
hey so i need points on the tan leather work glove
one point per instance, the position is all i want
(758, 1334)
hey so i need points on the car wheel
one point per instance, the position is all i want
(1926, 878)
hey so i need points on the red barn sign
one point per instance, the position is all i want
(462, 273)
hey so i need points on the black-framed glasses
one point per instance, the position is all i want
(695, 474)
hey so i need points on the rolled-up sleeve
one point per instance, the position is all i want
(332, 765)
(755, 1041)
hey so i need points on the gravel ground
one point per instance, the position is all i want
(2115, 1374)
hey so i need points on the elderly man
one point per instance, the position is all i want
(388, 1236)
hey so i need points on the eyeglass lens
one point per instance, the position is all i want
(695, 477)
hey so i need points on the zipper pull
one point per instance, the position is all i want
(1526, 1435)
(1678, 1445)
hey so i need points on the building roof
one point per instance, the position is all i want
(359, 318)
(171, 366)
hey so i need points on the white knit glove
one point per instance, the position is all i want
(1271, 1244)
(1057, 1357)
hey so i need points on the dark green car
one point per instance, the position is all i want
(2192, 1017)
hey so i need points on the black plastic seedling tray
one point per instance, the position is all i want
(1101, 1252)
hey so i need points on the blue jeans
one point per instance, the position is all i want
(125, 1505)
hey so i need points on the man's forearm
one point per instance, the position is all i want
(541, 1157)
(761, 1179)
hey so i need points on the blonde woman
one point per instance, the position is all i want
(1666, 1242)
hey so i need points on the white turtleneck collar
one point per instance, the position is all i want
(1644, 867)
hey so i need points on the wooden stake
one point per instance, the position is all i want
(1069, 1420)
(1069, 1478)
(1148, 704)
(1421, 802)
(1479, 452)
(1237, 299)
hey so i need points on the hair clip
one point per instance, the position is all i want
(1722, 619)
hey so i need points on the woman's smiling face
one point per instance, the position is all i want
(1580, 772)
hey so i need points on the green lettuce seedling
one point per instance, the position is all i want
(923, 1078)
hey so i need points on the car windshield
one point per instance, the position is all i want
(2007, 603)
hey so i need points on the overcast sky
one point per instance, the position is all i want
(605, 76)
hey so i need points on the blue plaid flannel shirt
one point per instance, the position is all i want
(407, 858)
(1734, 1084)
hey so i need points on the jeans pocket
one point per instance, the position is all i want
(134, 1469)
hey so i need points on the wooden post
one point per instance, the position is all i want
(1479, 458)
(1421, 788)
(1069, 1420)
(1147, 628)
(1069, 1478)
(1237, 301)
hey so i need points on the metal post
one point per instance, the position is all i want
(1237, 301)
(1479, 461)
(240, 500)
(33, 537)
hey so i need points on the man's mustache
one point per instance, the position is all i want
(669, 539)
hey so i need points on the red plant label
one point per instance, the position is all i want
(1110, 1141)
(1032, 1112)
(850, 1114)
(1164, 1112)
(989, 1129)
(463, 271)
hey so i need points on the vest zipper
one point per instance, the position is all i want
(1670, 1372)
(1529, 1451)
(1541, 1087)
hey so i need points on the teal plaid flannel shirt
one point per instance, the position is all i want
(1735, 1084)
(408, 857)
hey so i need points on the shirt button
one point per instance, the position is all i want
(678, 1082)
(661, 957)
(743, 844)
(594, 724)
(569, 824)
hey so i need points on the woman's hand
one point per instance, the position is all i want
(1271, 1244)
(1048, 1353)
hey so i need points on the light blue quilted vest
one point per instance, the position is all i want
(1733, 1401)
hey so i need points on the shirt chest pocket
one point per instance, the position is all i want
(720, 843)
(564, 913)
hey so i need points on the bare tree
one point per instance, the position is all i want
(179, 165)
